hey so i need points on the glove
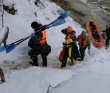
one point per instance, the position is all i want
(73, 43)
(101, 32)
(64, 43)
(88, 51)
(33, 35)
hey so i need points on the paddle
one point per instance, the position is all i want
(2, 48)
(13, 45)
(60, 20)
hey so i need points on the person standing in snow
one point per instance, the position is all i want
(107, 31)
(38, 44)
(71, 49)
(84, 42)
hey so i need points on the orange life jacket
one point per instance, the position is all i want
(43, 39)
(68, 36)
(84, 42)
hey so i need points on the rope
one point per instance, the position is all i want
(24, 57)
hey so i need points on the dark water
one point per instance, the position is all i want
(97, 10)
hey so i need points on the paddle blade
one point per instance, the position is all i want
(61, 19)
(64, 15)
(2, 48)
(57, 22)
(10, 48)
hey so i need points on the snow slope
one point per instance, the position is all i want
(89, 82)
(21, 77)
(20, 27)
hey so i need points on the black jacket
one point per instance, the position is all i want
(107, 31)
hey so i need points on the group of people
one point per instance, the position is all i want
(38, 45)
(71, 39)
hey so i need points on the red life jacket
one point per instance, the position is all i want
(68, 36)
(84, 42)
(43, 39)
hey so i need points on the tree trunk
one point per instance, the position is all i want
(2, 11)
(2, 76)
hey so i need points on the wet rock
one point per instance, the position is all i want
(10, 10)
(78, 13)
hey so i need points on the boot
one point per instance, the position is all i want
(44, 58)
(35, 61)
(80, 59)
(61, 68)
(44, 63)
(72, 63)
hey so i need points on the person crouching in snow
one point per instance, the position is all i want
(84, 42)
(70, 47)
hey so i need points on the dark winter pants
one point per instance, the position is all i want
(75, 54)
(107, 41)
(82, 52)
(44, 58)
(36, 50)
(65, 58)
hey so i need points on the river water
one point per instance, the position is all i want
(97, 10)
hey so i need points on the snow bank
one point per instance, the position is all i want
(88, 82)
(35, 80)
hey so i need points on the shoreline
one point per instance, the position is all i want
(82, 12)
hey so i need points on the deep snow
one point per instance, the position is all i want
(89, 76)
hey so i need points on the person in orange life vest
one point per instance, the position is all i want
(70, 35)
(84, 42)
(38, 44)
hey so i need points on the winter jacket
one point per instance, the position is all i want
(72, 35)
(40, 38)
(84, 41)
(38, 43)
(107, 31)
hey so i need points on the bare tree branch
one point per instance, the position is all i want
(2, 75)
(0, 5)
(48, 89)
(2, 11)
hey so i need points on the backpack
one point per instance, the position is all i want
(48, 50)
